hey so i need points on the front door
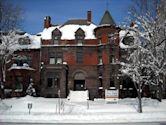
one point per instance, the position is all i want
(79, 84)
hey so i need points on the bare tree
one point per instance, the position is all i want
(11, 16)
(9, 44)
(144, 8)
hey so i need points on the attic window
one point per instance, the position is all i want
(24, 41)
(79, 36)
(56, 36)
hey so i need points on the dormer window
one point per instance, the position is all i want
(24, 41)
(129, 40)
(79, 36)
(56, 36)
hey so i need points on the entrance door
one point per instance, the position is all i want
(79, 84)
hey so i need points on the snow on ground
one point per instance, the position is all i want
(78, 96)
(47, 110)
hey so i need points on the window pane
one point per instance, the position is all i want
(52, 60)
(56, 42)
(49, 82)
(59, 60)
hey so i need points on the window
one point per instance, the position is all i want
(56, 36)
(79, 55)
(129, 40)
(49, 82)
(29, 61)
(59, 56)
(56, 41)
(21, 60)
(79, 36)
(112, 38)
(59, 61)
(56, 57)
(18, 83)
(112, 59)
(52, 60)
(112, 83)
(24, 41)
(100, 42)
(79, 42)
(56, 84)
(52, 83)
(100, 60)
(100, 82)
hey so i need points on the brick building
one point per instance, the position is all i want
(79, 55)
(24, 67)
(76, 55)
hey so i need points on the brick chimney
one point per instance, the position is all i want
(89, 16)
(47, 22)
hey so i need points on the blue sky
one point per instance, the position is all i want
(62, 10)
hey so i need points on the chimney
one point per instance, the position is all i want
(89, 16)
(47, 22)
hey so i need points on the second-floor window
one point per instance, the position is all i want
(56, 57)
(79, 55)
(52, 60)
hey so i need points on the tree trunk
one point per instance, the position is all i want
(3, 80)
(139, 99)
(160, 92)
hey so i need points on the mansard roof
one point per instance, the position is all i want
(68, 30)
(107, 19)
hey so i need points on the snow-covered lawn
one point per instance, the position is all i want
(47, 110)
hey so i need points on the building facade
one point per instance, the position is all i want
(76, 55)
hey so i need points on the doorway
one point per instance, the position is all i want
(79, 84)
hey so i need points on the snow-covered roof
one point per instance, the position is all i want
(47, 32)
(68, 31)
(18, 41)
(122, 33)
(35, 41)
